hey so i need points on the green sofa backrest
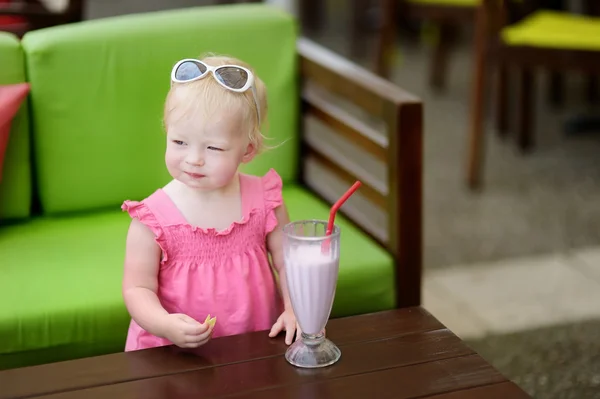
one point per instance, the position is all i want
(16, 185)
(98, 90)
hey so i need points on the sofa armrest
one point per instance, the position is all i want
(398, 147)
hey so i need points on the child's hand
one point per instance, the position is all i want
(185, 332)
(287, 322)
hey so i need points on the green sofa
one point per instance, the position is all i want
(91, 136)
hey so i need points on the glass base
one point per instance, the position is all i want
(312, 352)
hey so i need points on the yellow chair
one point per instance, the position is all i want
(554, 30)
(556, 41)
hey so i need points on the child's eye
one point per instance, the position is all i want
(215, 148)
(178, 142)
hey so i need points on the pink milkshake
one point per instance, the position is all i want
(311, 268)
(312, 278)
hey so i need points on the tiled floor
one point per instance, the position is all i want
(558, 362)
(588, 262)
(516, 294)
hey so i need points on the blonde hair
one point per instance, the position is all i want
(205, 97)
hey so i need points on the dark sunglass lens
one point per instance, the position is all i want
(232, 77)
(189, 70)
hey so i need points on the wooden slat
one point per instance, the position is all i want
(119, 367)
(338, 75)
(323, 184)
(364, 357)
(344, 124)
(336, 156)
(503, 390)
(365, 189)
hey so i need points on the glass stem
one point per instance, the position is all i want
(313, 339)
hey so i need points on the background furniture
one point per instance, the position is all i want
(557, 41)
(394, 16)
(447, 16)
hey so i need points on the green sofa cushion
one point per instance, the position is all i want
(98, 90)
(15, 188)
(69, 288)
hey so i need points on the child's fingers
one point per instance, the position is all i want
(277, 327)
(290, 328)
(196, 342)
(195, 329)
(187, 319)
(197, 338)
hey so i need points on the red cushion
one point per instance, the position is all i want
(9, 20)
(11, 97)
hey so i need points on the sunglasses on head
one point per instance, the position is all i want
(232, 77)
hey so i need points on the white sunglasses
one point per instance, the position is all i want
(232, 77)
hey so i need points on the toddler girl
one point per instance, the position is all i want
(199, 246)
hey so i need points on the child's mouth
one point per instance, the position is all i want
(195, 175)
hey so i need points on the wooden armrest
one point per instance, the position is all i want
(399, 192)
(347, 79)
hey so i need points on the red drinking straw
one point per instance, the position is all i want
(334, 210)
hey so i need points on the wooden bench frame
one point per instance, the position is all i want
(401, 150)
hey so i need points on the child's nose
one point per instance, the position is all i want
(195, 159)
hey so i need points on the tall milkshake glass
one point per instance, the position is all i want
(311, 267)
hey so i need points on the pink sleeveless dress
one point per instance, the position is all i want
(222, 273)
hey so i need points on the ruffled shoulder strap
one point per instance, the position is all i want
(273, 198)
(148, 212)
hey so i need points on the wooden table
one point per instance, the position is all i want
(403, 353)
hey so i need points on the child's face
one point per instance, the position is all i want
(206, 153)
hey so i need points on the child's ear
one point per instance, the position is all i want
(249, 154)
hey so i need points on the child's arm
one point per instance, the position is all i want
(142, 260)
(287, 321)
(140, 284)
(275, 247)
